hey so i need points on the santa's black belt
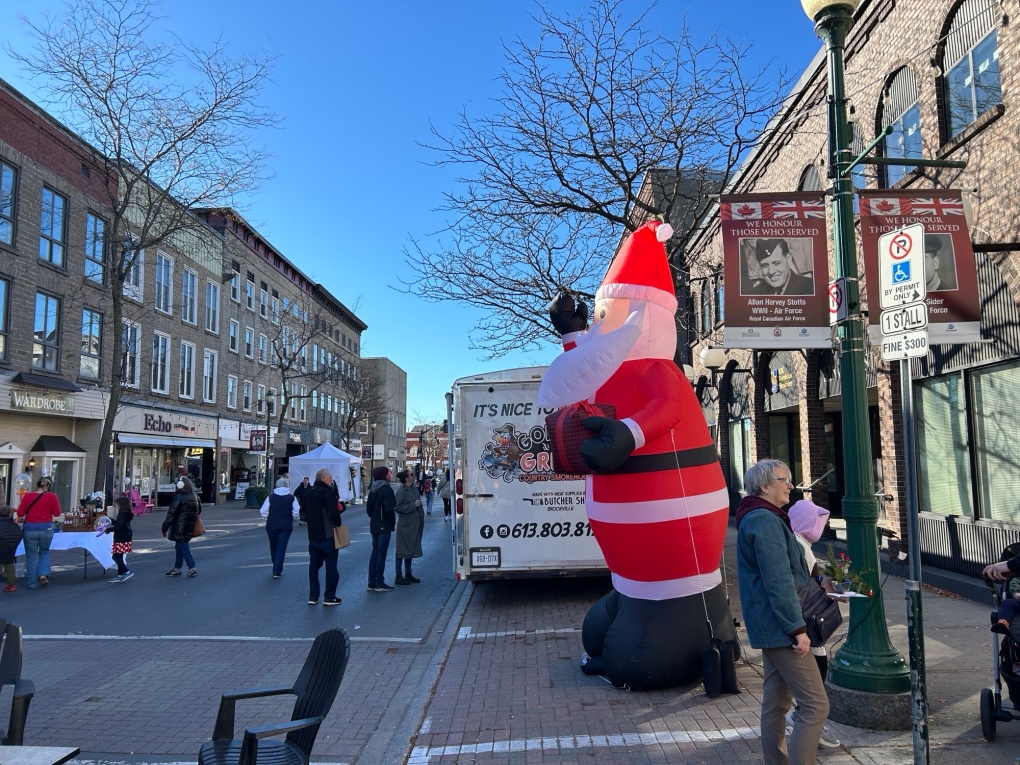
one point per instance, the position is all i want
(653, 463)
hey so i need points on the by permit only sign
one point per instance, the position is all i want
(945, 260)
(775, 260)
(901, 267)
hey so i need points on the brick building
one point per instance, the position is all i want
(944, 74)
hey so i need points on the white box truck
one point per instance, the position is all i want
(513, 517)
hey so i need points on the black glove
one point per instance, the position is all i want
(609, 447)
(565, 316)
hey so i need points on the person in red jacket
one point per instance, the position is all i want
(38, 509)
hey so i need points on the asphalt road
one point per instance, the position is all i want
(234, 594)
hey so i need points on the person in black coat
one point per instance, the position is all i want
(10, 538)
(322, 513)
(179, 525)
(299, 494)
(382, 520)
(122, 536)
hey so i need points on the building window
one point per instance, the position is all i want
(131, 338)
(95, 248)
(134, 270)
(231, 392)
(46, 348)
(189, 297)
(249, 342)
(8, 199)
(209, 377)
(260, 401)
(91, 343)
(249, 293)
(720, 302)
(274, 309)
(246, 396)
(164, 282)
(263, 301)
(262, 349)
(235, 287)
(971, 60)
(272, 406)
(51, 227)
(942, 453)
(187, 386)
(809, 181)
(212, 307)
(160, 363)
(235, 329)
(302, 402)
(901, 110)
(5, 291)
(706, 309)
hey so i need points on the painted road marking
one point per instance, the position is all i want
(421, 755)
(465, 633)
(218, 638)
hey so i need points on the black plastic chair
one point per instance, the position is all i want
(10, 674)
(315, 689)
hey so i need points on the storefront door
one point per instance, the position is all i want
(63, 483)
(141, 473)
(6, 466)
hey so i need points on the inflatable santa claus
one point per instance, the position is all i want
(656, 498)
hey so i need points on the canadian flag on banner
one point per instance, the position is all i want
(747, 210)
(886, 206)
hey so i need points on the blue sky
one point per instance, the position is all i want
(358, 85)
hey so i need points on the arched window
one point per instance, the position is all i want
(810, 180)
(857, 175)
(901, 110)
(720, 298)
(706, 308)
(970, 60)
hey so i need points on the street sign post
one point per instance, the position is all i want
(904, 318)
(901, 267)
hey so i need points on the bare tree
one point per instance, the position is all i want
(171, 125)
(553, 175)
(366, 402)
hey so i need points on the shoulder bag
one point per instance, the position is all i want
(341, 537)
(199, 526)
(821, 613)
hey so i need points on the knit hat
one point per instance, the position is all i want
(640, 270)
(808, 519)
(380, 473)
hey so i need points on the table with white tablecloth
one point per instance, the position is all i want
(100, 547)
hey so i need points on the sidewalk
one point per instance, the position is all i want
(511, 691)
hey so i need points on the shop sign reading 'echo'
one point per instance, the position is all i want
(34, 401)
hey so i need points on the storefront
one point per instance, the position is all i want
(154, 447)
(51, 427)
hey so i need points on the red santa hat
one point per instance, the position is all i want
(640, 270)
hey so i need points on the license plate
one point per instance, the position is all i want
(485, 557)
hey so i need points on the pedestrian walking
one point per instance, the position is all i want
(299, 493)
(280, 509)
(122, 536)
(10, 538)
(444, 493)
(322, 513)
(39, 509)
(428, 492)
(410, 526)
(179, 525)
(808, 523)
(382, 520)
(770, 567)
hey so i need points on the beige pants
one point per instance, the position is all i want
(787, 677)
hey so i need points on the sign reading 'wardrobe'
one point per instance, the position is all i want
(33, 401)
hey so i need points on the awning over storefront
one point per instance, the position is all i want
(42, 381)
(133, 439)
(56, 445)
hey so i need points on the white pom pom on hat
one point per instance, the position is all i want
(664, 232)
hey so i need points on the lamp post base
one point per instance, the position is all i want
(868, 709)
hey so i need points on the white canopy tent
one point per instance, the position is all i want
(339, 464)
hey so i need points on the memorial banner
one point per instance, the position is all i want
(954, 308)
(776, 268)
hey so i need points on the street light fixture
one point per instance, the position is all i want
(867, 661)
(270, 399)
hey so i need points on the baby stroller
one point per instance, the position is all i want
(1006, 658)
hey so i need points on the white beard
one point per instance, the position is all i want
(576, 374)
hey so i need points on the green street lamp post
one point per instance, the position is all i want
(372, 474)
(867, 661)
(270, 399)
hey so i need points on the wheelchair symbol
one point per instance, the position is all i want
(901, 273)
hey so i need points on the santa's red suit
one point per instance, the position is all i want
(660, 516)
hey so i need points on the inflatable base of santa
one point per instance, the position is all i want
(646, 644)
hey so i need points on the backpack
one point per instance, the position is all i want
(428, 485)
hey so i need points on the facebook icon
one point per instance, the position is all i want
(901, 272)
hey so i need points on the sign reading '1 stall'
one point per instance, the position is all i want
(944, 259)
(776, 270)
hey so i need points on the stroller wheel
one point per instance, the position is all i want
(988, 714)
